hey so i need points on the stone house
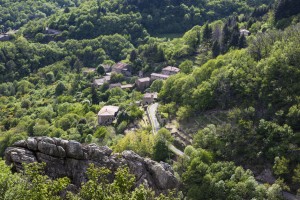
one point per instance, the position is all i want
(155, 76)
(127, 87)
(100, 81)
(114, 85)
(122, 68)
(149, 98)
(170, 70)
(142, 83)
(107, 115)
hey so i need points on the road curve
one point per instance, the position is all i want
(151, 110)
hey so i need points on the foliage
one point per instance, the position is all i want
(13, 17)
(34, 185)
(207, 179)
(30, 185)
(255, 79)
(140, 141)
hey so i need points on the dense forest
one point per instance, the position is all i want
(235, 104)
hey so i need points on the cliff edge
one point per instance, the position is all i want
(65, 158)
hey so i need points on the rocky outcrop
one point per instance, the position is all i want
(71, 159)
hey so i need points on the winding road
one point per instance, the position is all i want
(151, 110)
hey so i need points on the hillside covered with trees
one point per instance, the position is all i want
(232, 108)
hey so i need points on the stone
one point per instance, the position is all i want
(20, 143)
(74, 150)
(48, 148)
(61, 152)
(71, 159)
(16, 156)
(32, 144)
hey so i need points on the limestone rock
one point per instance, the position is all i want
(32, 144)
(71, 159)
(74, 150)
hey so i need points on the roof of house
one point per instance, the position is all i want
(100, 81)
(119, 65)
(244, 31)
(151, 95)
(127, 86)
(160, 75)
(115, 85)
(145, 79)
(171, 69)
(108, 111)
(107, 78)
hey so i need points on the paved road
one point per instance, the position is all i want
(152, 109)
(175, 150)
(153, 119)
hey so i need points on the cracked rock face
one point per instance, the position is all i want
(71, 159)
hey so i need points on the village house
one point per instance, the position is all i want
(142, 83)
(99, 82)
(244, 32)
(170, 70)
(127, 87)
(107, 77)
(149, 98)
(107, 115)
(122, 68)
(155, 76)
(114, 85)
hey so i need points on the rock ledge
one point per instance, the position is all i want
(71, 159)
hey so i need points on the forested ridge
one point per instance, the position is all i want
(234, 105)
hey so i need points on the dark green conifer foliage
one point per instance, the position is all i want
(216, 49)
(242, 42)
(207, 33)
(161, 151)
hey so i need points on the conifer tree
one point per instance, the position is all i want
(242, 42)
(207, 33)
(216, 49)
